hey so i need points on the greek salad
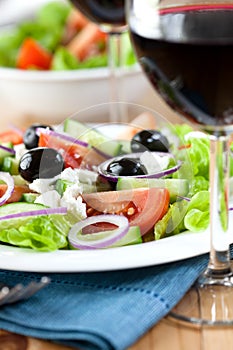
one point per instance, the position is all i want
(59, 37)
(74, 187)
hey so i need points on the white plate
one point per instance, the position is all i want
(166, 250)
(153, 253)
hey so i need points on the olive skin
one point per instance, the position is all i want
(30, 137)
(40, 163)
(126, 167)
(149, 140)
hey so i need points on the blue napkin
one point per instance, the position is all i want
(105, 310)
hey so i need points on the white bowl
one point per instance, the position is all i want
(53, 96)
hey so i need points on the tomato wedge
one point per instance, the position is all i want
(19, 190)
(12, 136)
(142, 206)
(88, 37)
(33, 55)
(74, 155)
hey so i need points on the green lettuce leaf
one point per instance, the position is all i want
(172, 222)
(180, 130)
(54, 13)
(199, 183)
(43, 233)
(10, 42)
(195, 159)
(48, 37)
(94, 62)
(197, 217)
(184, 215)
(64, 60)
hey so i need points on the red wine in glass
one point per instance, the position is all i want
(190, 63)
(186, 51)
(103, 12)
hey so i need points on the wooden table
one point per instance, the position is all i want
(166, 335)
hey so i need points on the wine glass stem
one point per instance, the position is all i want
(115, 63)
(219, 264)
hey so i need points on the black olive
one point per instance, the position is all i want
(126, 167)
(30, 137)
(149, 140)
(41, 162)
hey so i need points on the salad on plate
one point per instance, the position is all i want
(74, 187)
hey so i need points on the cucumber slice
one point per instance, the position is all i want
(62, 185)
(176, 187)
(92, 136)
(125, 147)
(29, 197)
(4, 153)
(133, 236)
(18, 207)
(11, 165)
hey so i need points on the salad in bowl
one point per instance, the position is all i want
(58, 37)
(55, 64)
(74, 187)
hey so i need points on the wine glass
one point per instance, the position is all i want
(186, 51)
(110, 16)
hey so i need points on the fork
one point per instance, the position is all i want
(9, 295)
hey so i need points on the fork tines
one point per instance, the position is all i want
(19, 292)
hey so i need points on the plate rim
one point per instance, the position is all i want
(119, 258)
(175, 248)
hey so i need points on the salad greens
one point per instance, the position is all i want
(191, 213)
(185, 215)
(44, 233)
(197, 215)
(48, 28)
(64, 60)
(49, 232)
(195, 157)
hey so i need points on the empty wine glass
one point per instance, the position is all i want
(110, 16)
(186, 51)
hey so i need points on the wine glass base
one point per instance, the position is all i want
(207, 304)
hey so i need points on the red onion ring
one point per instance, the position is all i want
(77, 239)
(8, 149)
(102, 168)
(185, 198)
(40, 212)
(61, 136)
(8, 179)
